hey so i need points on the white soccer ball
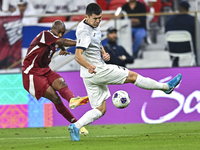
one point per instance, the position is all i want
(121, 99)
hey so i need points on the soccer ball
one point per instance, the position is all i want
(121, 99)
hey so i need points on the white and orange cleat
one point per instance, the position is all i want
(83, 131)
(77, 101)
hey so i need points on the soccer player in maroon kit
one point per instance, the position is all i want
(39, 80)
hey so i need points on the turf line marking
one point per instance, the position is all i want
(175, 134)
(33, 138)
(97, 136)
(60, 137)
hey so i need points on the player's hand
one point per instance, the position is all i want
(123, 57)
(64, 52)
(106, 56)
(91, 69)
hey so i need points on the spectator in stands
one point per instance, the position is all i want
(118, 54)
(41, 6)
(138, 23)
(61, 6)
(9, 6)
(149, 5)
(57, 7)
(150, 8)
(181, 22)
(25, 8)
(80, 6)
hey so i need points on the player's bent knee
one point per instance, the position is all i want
(58, 84)
(102, 108)
(103, 111)
(132, 76)
(62, 83)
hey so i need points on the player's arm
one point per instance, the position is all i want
(64, 42)
(81, 60)
(106, 56)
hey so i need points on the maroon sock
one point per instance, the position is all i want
(66, 93)
(65, 112)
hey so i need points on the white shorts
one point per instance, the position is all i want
(96, 85)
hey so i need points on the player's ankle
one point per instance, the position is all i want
(77, 125)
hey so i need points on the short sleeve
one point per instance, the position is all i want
(83, 40)
(48, 38)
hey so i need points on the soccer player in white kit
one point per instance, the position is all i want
(97, 74)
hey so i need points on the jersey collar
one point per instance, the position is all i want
(88, 24)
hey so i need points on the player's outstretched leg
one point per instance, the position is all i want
(77, 101)
(150, 84)
(173, 83)
(74, 132)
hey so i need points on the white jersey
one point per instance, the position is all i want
(89, 39)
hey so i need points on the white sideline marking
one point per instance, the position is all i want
(62, 137)
(33, 138)
(174, 134)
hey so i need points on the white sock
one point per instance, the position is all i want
(88, 118)
(150, 84)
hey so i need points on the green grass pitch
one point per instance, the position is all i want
(166, 136)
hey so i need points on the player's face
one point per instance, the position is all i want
(94, 20)
(22, 8)
(59, 31)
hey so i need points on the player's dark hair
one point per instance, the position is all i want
(93, 8)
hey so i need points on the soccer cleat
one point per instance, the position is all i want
(77, 101)
(74, 132)
(173, 83)
(83, 131)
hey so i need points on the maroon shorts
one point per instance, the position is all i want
(37, 85)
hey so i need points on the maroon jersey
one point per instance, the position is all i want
(39, 53)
